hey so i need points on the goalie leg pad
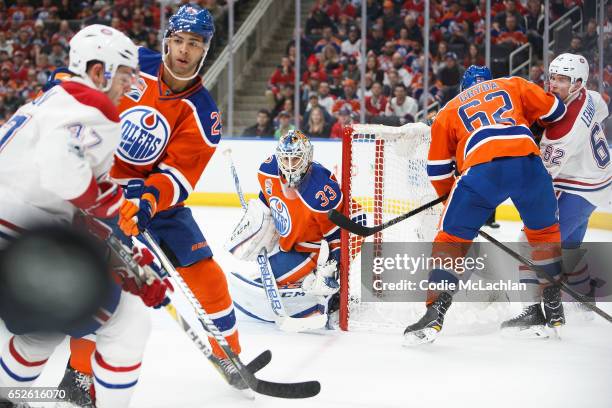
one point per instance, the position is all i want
(290, 267)
(254, 231)
(251, 300)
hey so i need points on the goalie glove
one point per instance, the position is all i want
(322, 282)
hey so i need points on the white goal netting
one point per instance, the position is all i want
(384, 175)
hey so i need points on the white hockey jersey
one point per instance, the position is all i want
(49, 151)
(576, 153)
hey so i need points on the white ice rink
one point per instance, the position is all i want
(374, 370)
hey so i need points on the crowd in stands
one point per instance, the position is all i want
(331, 52)
(34, 37)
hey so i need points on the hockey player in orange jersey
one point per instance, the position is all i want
(290, 219)
(483, 135)
(170, 129)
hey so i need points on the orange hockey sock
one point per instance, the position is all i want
(207, 281)
(80, 354)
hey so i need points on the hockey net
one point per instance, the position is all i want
(384, 175)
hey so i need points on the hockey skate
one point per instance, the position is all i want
(553, 309)
(426, 330)
(530, 324)
(79, 389)
(229, 372)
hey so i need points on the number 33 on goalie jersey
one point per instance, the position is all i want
(300, 216)
(488, 120)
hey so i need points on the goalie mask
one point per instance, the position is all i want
(294, 156)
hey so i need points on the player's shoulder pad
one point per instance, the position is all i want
(322, 191)
(269, 167)
(149, 61)
(88, 96)
(206, 114)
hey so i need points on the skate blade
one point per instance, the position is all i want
(424, 336)
(556, 331)
(531, 332)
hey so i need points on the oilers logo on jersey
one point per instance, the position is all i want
(144, 135)
(280, 215)
(137, 90)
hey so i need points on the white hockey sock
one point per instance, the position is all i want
(21, 362)
(114, 384)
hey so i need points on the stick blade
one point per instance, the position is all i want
(346, 223)
(298, 324)
(259, 362)
(305, 389)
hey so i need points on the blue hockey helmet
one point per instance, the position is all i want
(191, 18)
(475, 74)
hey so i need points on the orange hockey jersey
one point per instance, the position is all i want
(300, 216)
(491, 119)
(167, 139)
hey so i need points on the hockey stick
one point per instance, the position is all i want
(281, 390)
(119, 250)
(283, 320)
(228, 153)
(536, 268)
(346, 223)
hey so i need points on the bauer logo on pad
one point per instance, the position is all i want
(144, 135)
(280, 214)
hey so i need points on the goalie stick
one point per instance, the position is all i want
(280, 390)
(119, 250)
(538, 269)
(346, 223)
(283, 320)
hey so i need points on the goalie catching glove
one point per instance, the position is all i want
(322, 282)
(254, 231)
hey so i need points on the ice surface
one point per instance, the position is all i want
(374, 370)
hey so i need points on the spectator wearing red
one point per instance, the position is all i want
(20, 70)
(349, 98)
(414, 7)
(344, 119)
(22, 43)
(282, 75)
(313, 70)
(376, 103)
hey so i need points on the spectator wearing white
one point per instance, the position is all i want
(5, 45)
(397, 61)
(352, 45)
(402, 105)
(326, 99)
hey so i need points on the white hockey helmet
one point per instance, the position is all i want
(571, 65)
(102, 43)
